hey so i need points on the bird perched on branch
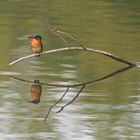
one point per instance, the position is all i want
(36, 44)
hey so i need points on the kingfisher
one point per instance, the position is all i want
(36, 44)
(36, 90)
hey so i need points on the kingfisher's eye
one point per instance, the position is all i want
(37, 38)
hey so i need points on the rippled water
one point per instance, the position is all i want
(106, 110)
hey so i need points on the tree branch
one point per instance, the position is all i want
(79, 49)
(74, 39)
(57, 32)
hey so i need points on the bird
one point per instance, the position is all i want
(36, 44)
(36, 90)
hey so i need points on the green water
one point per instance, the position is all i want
(107, 110)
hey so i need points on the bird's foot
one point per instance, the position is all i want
(37, 54)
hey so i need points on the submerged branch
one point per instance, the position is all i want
(79, 49)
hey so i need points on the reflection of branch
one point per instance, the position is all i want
(94, 81)
(62, 108)
(61, 97)
(80, 84)
(79, 49)
(50, 109)
(32, 82)
(109, 75)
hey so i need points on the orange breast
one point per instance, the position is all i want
(36, 46)
(36, 43)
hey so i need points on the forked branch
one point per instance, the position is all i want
(81, 48)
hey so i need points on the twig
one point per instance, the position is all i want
(20, 59)
(79, 49)
(57, 33)
(62, 38)
(76, 40)
(50, 108)
(84, 47)
(62, 108)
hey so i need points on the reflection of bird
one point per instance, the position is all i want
(36, 44)
(36, 90)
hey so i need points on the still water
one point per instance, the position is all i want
(107, 110)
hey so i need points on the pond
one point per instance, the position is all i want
(106, 109)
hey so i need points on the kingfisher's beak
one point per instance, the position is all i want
(30, 37)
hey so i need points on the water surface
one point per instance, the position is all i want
(107, 110)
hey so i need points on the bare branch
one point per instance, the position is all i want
(58, 33)
(97, 51)
(20, 59)
(76, 40)
(79, 49)
(62, 38)
(83, 48)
